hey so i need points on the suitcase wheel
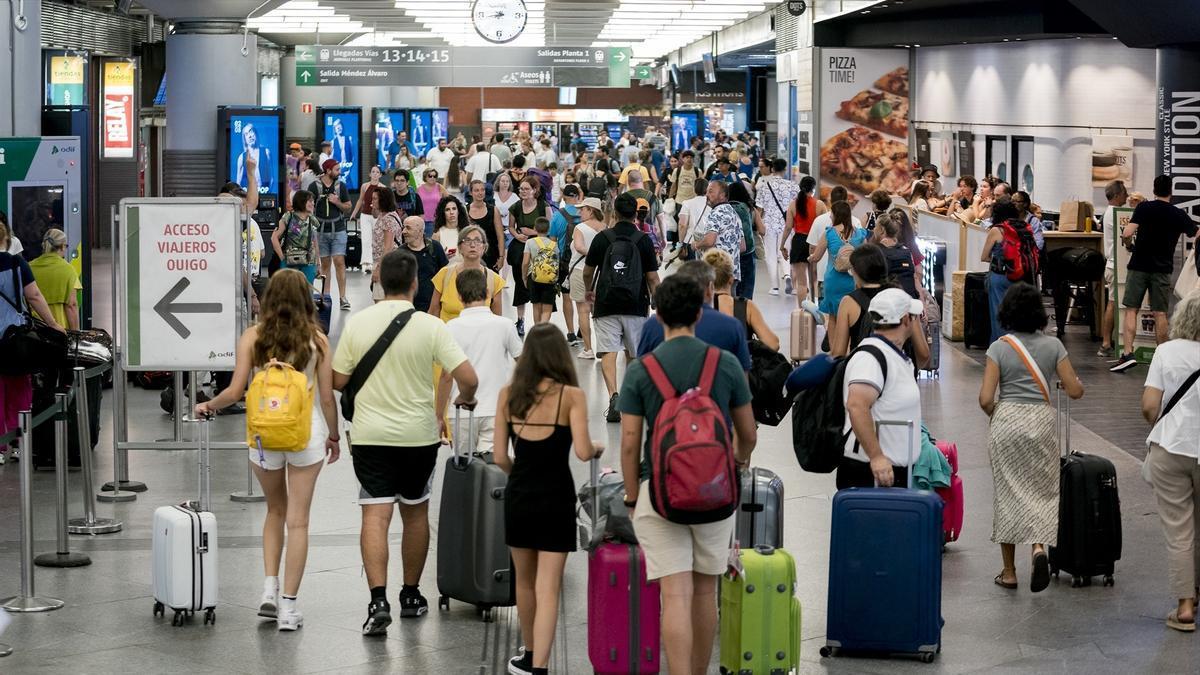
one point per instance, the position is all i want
(488, 614)
(1108, 580)
(210, 616)
(444, 603)
(159, 609)
(177, 620)
(827, 652)
(928, 657)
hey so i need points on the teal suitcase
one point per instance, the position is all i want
(760, 615)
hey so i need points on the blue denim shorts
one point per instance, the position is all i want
(333, 244)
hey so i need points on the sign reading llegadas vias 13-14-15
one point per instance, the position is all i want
(182, 289)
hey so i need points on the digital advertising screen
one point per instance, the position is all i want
(614, 129)
(441, 124)
(340, 127)
(257, 134)
(589, 132)
(389, 122)
(119, 121)
(685, 125)
(420, 131)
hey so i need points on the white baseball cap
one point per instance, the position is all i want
(891, 304)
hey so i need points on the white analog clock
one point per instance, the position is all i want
(499, 20)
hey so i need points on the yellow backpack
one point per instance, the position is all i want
(279, 407)
(543, 268)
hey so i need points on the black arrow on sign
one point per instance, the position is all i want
(167, 308)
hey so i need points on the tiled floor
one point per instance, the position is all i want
(107, 626)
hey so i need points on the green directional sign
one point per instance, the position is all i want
(643, 73)
(306, 75)
(306, 54)
(618, 66)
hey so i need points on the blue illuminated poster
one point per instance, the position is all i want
(388, 123)
(441, 125)
(258, 137)
(341, 130)
(614, 129)
(420, 130)
(685, 125)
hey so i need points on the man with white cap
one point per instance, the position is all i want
(879, 386)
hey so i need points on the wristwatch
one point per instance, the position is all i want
(629, 503)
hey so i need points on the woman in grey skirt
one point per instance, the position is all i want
(1023, 443)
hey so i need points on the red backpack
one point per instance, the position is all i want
(1019, 251)
(691, 450)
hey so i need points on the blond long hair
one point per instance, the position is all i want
(287, 328)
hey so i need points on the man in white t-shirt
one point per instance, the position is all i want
(1117, 196)
(481, 164)
(491, 346)
(693, 212)
(545, 155)
(880, 386)
(825, 220)
(439, 158)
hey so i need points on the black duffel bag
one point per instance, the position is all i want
(30, 346)
(1077, 264)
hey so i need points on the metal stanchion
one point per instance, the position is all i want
(5, 650)
(248, 495)
(27, 601)
(112, 492)
(62, 556)
(89, 523)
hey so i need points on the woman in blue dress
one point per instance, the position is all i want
(841, 238)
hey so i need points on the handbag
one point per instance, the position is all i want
(1175, 399)
(1189, 276)
(30, 346)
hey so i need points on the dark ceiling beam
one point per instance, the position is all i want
(1146, 23)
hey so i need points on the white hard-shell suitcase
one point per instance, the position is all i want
(184, 545)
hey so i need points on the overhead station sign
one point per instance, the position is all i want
(318, 65)
(182, 286)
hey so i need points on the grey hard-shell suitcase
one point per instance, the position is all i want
(760, 515)
(473, 563)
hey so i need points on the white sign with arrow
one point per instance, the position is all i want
(182, 265)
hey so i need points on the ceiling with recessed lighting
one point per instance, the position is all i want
(651, 27)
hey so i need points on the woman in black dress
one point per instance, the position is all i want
(544, 412)
(487, 217)
(522, 216)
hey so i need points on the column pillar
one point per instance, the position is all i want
(301, 126)
(205, 69)
(21, 69)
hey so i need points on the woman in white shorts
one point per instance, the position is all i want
(591, 223)
(287, 330)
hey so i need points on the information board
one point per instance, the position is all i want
(318, 65)
(181, 288)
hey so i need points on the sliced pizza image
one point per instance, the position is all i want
(878, 110)
(895, 82)
(865, 160)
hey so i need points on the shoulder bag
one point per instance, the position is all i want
(1030, 364)
(29, 346)
(371, 359)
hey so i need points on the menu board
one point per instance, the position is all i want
(864, 120)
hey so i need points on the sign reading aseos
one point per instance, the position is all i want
(182, 264)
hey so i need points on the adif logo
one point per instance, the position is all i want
(222, 355)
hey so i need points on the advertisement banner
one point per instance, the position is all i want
(1112, 159)
(340, 126)
(65, 80)
(863, 123)
(257, 137)
(118, 109)
(1178, 130)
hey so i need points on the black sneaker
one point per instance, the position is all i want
(1124, 363)
(379, 617)
(413, 605)
(521, 665)
(573, 339)
(612, 414)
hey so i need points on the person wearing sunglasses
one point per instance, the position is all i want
(430, 193)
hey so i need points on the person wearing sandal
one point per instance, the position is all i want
(1171, 403)
(1023, 443)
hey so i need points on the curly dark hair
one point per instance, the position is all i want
(1021, 310)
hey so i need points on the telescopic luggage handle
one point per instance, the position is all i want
(465, 441)
(1062, 420)
(911, 444)
(204, 464)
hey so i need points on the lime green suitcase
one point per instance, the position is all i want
(760, 615)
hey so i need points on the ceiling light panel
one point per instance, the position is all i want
(305, 16)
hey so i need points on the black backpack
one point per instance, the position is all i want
(819, 415)
(597, 187)
(620, 280)
(768, 374)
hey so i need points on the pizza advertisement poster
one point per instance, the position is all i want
(863, 122)
(1112, 159)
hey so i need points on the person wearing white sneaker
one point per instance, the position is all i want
(591, 223)
(286, 329)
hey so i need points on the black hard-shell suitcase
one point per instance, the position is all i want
(977, 324)
(45, 385)
(760, 515)
(353, 246)
(1089, 512)
(473, 563)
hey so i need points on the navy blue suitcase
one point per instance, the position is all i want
(885, 572)
(324, 304)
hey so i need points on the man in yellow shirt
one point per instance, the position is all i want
(395, 433)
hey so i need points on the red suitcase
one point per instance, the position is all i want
(624, 609)
(953, 511)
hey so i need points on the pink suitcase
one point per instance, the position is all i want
(952, 512)
(624, 609)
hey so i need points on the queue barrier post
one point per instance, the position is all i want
(89, 523)
(27, 600)
(62, 556)
(113, 492)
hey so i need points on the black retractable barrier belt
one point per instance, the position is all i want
(50, 412)
(10, 437)
(97, 370)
